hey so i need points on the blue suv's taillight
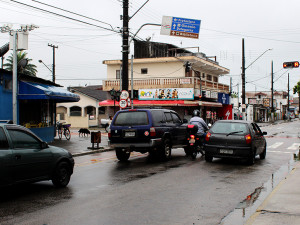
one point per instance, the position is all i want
(152, 132)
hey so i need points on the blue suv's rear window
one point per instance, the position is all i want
(132, 118)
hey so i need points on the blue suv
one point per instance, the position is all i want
(147, 130)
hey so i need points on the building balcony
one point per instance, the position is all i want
(169, 82)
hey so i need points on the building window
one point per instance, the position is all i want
(118, 72)
(215, 79)
(101, 110)
(203, 75)
(75, 111)
(61, 116)
(144, 71)
(208, 77)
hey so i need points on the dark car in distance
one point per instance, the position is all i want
(155, 131)
(25, 158)
(235, 139)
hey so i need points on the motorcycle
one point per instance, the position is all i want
(194, 142)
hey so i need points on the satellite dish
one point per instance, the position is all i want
(23, 63)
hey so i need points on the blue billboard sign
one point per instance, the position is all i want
(223, 98)
(185, 25)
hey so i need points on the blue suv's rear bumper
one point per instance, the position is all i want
(153, 143)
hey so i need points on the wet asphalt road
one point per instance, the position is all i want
(181, 191)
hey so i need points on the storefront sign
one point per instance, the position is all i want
(225, 112)
(266, 102)
(206, 94)
(166, 94)
(252, 101)
(185, 81)
(223, 98)
(214, 94)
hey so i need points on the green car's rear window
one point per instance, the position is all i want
(132, 118)
(226, 128)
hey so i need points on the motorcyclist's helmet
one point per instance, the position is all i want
(196, 112)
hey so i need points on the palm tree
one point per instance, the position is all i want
(296, 89)
(29, 69)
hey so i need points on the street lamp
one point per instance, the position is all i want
(40, 61)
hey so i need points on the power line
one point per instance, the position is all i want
(67, 17)
(77, 14)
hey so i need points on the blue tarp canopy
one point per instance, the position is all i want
(29, 90)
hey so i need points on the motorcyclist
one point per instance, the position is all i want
(197, 120)
(202, 126)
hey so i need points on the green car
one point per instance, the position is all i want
(26, 158)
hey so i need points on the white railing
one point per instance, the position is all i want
(173, 82)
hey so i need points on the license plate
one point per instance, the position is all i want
(129, 134)
(226, 151)
(192, 141)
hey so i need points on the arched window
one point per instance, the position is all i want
(75, 111)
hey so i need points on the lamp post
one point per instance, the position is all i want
(40, 61)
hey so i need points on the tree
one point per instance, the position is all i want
(29, 69)
(296, 89)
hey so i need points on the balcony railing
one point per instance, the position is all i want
(170, 82)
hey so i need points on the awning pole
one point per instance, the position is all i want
(15, 78)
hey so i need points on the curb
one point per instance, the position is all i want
(102, 149)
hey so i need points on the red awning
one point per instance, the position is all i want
(153, 102)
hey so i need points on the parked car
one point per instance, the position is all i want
(26, 158)
(235, 139)
(155, 131)
(105, 123)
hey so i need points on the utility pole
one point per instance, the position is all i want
(272, 92)
(125, 46)
(53, 65)
(243, 79)
(288, 103)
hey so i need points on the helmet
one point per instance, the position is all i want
(196, 112)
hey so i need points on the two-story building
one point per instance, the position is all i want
(171, 77)
(260, 104)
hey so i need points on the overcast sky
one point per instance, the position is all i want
(264, 24)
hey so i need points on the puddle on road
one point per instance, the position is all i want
(246, 208)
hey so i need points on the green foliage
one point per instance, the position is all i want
(29, 69)
(296, 88)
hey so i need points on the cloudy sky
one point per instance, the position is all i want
(264, 24)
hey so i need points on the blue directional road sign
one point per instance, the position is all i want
(185, 27)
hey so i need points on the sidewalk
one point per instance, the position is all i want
(282, 206)
(78, 146)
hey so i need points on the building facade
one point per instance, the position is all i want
(259, 105)
(171, 77)
(86, 112)
(36, 100)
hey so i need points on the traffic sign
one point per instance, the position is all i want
(177, 26)
(123, 103)
(124, 94)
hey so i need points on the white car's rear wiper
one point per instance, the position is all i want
(235, 132)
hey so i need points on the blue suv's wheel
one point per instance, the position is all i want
(166, 150)
(123, 156)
